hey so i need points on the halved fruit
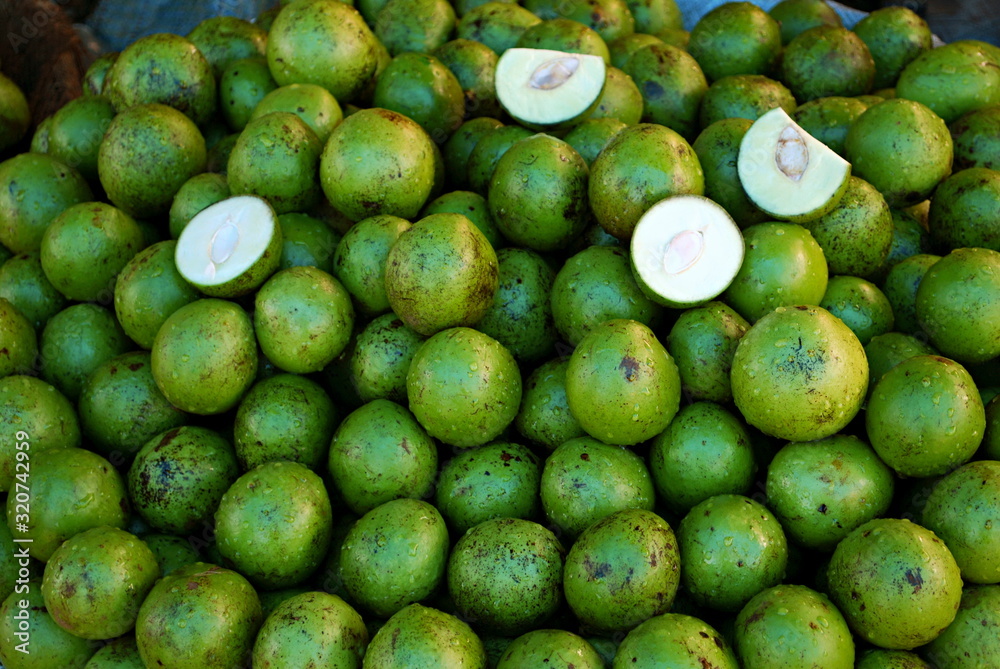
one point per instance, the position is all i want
(545, 89)
(787, 172)
(231, 247)
(686, 250)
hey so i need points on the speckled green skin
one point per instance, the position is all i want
(621, 384)
(563, 34)
(415, 26)
(799, 374)
(96, 580)
(15, 116)
(97, 71)
(223, 39)
(335, 635)
(75, 342)
(380, 358)
(958, 78)
(85, 247)
(360, 257)
(457, 149)
(179, 476)
(544, 417)
(51, 645)
(860, 304)
(315, 105)
(147, 154)
(197, 193)
(591, 136)
(498, 25)
(620, 99)
(737, 38)
(856, 234)
(596, 285)
(422, 88)
(796, 16)
(326, 43)
(971, 640)
(243, 83)
(474, 207)
(902, 148)
(674, 640)
(976, 139)
(33, 406)
(172, 552)
(609, 18)
(148, 290)
(643, 164)
(890, 659)
(218, 156)
(220, 613)
(909, 237)
(732, 548)
(441, 273)
(822, 490)
(377, 161)
(895, 582)
(703, 341)
(705, 451)
(717, 147)
(925, 416)
(829, 118)
(506, 574)
(622, 571)
(303, 319)
(962, 210)
(672, 86)
(584, 481)
(306, 240)
(783, 265)
(956, 304)
(622, 48)
(378, 453)
(894, 36)
(70, 490)
(887, 350)
(18, 341)
(76, 132)
(121, 408)
(425, 638)
(485, 155)
(962, 510)
(538, 193)
(743, 96)
(23, 283)
(558, 649)
(120, 653)
(464, 387)
(474, 65)
(900, 286)
(521, 315)
(827, 60)
(792, 626)
(254, 516)
(394, 555)
(284, 417)
(34, 189)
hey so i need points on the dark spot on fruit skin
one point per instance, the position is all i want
(914, 578)
(585, 456)
(822, 508)
(630, 366)
(652, 90)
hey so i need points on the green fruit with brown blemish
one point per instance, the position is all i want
(197, 193)
(459, 146)
(485, 155)
(76, 131)
(702, 342)
(827, 60)
(736, 38)
(976, 139)
(380, 358)
(972, 635)
(900, 287)
(120, 653)
(567, 35)
(414, 26)
(307, 241)
(23, 283)
(50, 644)
(743, 96)
(360, 259)
(961, 210)
(422, 88)
(589, 137)
(315, 105)
(18, 341)
(797, 16)
(498, 25)
(75, 342)
(860, 304)
(554, 648)
(674, 640)
(421, 636)
(223, 39)
(672, 85)
(609, 18)
(829, 118)
(895, 36)
(474, 207)
(954, 79)
(620, 99)
(335, 631)
(544, 417)
(717, 147)
(171, 551)
(243, 83)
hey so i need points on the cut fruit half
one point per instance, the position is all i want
(231, 247)
(685, 251)
(788, 173)
(545, 89)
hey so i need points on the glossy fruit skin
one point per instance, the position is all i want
(335, 631)
(972, 636)
(674, 640)
(553, 648)
(425, 637)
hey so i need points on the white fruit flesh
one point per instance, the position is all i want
(787, 172)
(224, 240)
(543, 87)
(686, 250)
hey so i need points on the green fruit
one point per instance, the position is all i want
(457, 149)
(253, 517)
(360, 258)
(829, 119)
(75, 342)
(416, 26)
(15, 115)
(96, 580)
(485, 155)
(702, 342)
(895, 582)
(315, 105)
(860, 304)
(334, 634)
(380, 453)
(909, 238)
(197, 193)
(717, 148)
(971, 639)
(474, 207)
(34, 189)
(975, 139)
(736, 38)
(498, 480)
(591, 136)
(441, 273)
(890, 659)
(887, 350)
(423, 638)
(621, 384)
(394, 555)
(463, 387)
(553, 648)
(362, 176)
(204, 356)
(498, 25)
(620, 99)
(220, 613)
(18, 341)
(792, 626)
(822, 490)
(610, 18)
(622, 571)
(474, 65)
(564, 34)
(506, 574)
(900, 287)
(120, 653)
(797, 16)
(959, 214)
(243, 83)
(674, 640)
(76, 131)
(746, 96)
(953, 79)
(23, 283)
(380, 359)
(223, 39)
(307, 241)
(147, 154)
(705, 451)
(423, 89)
(60, 478)
(179, 476)
(544, 417)
(827, 60)
(303, 319)
(672, 85)
(799, 374)
(171, 552)
(36, 639)
(894, 36)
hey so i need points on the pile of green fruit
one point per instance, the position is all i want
(475, 334)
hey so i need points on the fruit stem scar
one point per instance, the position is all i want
(554, 73)
(683, 250)
(791, 154)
